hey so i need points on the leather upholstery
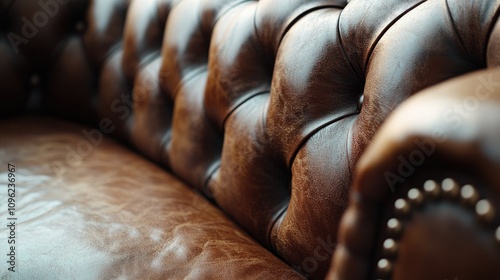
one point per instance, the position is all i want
(264, 106)
(110, 214)
(443, 239)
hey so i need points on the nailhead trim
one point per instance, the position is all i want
(448, 189)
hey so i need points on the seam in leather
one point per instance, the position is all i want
(112, 51)
(300, 16)
(167, 138)
(257, 45)
(228, 8)
(59, 49)
(158, 19)
(489, 32)
(172, 4)
(210, 174)
(238, 105)
(147, 60)
(274, 220)
(158, 14)
(206, 37)
(342, 48)
(386, 28)
(348, 147)
(455, 30)
(270, 60)
(312, 133)
(190, 76)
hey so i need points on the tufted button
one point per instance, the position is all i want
(485, 211)
(79, 26)
(35, 81)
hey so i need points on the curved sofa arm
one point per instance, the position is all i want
(426, 194)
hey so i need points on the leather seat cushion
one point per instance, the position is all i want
(89, 206)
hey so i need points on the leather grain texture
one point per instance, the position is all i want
(99, 211)
(443, 239)
(264, 107)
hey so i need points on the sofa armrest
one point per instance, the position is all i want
(425, 192)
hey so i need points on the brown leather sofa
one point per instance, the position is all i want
(225, 139)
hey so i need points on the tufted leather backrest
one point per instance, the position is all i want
(263, 106)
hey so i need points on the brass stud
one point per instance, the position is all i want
(394, 226)
(497, 235)
(431, 189)
(402, 207)
(360, 101)
(469, 195)
(390, 247)
(450, 188)
(415, 196)
(384, 267)
(485, 211)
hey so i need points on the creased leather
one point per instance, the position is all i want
(113, 215)
(264, 107)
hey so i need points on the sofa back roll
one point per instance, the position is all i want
(263, 106)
